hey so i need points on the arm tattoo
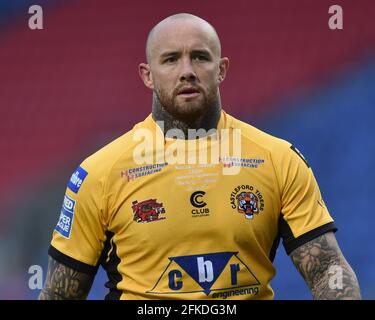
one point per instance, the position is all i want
(325, 270)
(64, 283)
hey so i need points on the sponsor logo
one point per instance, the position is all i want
(300, 155)
(77, 179)
(197, 202)
(247, 200)
(64, 225)
(229, 162)
(147, 211)
(134, 173)
(196, 177)
(195, 199)
(211, 273)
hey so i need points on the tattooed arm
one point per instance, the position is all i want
(64, 283)
(325, 270)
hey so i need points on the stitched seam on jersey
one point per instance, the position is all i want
(278, 181)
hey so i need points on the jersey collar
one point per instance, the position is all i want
(150, 123)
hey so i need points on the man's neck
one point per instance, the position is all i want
(207, 121)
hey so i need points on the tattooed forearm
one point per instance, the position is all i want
(325, 269)
(63, 283)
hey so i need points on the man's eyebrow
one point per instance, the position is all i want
(177, 53)
(169, 53)
(201, 51)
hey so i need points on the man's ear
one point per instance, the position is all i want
(144, 71)
(223, 68)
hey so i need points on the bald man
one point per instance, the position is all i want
(166, 224)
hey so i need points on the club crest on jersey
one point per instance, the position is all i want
(247, 200)
(217, 275)
(147, 211)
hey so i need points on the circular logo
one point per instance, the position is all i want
(247, 200)
(196, 199)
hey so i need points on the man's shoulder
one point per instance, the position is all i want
(259, 137)
(281, 151)
(101, 161)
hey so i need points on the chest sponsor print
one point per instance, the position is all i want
(217, 275)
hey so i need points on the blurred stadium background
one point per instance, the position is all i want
(72, 87)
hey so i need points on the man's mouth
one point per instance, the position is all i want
(188, 92)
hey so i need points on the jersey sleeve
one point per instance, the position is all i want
(304, 216)
(79, 236)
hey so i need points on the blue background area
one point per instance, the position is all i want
(334, 129)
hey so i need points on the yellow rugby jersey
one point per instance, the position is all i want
(168, 230)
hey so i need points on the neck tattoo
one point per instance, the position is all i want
(207, 121)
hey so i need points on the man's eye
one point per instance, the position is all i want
(200, 58)
(170, 60)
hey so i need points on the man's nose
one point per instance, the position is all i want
(187, 71)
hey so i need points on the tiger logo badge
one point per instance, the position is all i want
(247, 200)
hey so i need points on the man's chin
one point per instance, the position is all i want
(188, 111)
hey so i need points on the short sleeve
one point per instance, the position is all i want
(304, 215)
(79, 236)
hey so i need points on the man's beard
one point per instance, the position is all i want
(190, 111)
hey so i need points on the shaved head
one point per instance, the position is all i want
(186, 20)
